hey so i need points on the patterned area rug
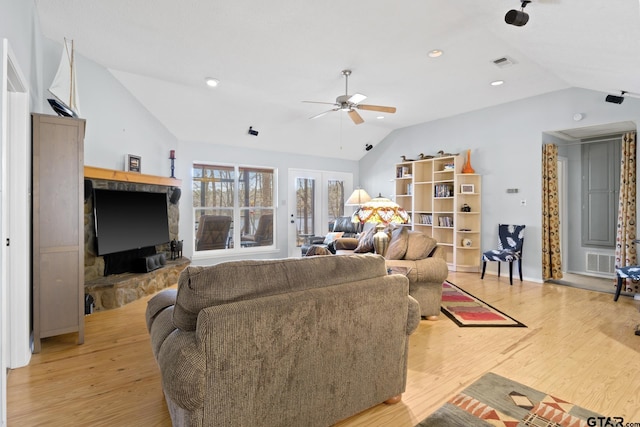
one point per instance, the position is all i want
(497, 401)
(466, 310)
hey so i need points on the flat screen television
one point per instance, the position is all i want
(126, 220)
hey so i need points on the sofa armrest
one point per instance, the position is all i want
(182, 363)
(345, 243)
(413, 317)
(432, 269)
(438, 252)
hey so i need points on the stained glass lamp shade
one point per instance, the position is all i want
(381, 211)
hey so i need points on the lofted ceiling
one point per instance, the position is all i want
(269, 56)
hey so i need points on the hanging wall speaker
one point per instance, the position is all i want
(175, 196)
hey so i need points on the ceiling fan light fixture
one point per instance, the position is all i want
(357, 98)
(211, 82)
(497, 83)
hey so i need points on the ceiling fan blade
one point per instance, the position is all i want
(323, 113)
(319, 102)
(355, 117)
(377, 108)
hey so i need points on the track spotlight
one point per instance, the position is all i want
(518, 17)
(614, 99)
(252, 131)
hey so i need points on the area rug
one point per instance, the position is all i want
(466, 310)
(497, 401)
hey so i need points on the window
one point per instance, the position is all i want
(233, 204)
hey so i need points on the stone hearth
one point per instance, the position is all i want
(116, 290)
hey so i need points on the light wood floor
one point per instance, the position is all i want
(579, 346)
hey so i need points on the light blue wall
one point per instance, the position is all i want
(505, 143)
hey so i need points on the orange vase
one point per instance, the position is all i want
(467, 166)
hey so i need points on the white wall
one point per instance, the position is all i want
(117, 124)
(506, 145)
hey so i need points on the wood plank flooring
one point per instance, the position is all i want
(579, 345)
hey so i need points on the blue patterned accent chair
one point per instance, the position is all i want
(510, 241)
(629, 272)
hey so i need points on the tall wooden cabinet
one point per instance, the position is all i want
(58, 227)
(445, 204)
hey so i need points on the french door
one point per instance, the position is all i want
(316, 199)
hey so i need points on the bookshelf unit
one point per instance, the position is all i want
(434, 192)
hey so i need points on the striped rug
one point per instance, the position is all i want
(466, 310)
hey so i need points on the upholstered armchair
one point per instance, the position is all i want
(342, 227)
(413, 254)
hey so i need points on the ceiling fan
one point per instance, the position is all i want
(350, 103)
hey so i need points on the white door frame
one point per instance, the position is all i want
(563, 179)
(322, 215)
(15, 221)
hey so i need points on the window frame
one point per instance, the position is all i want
(238, 209)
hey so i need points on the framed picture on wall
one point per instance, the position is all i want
(134, 163)
(467, 188)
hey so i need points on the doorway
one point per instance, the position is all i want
(15, 220)
(584, 265)
(316, 199)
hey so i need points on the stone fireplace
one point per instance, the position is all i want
(118, 289)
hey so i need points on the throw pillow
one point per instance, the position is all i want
(365, 242)
(330, 237)
(398, 243)
(419, 246)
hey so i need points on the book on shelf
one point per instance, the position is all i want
(426, 219)
(443, 190)
(445, 221)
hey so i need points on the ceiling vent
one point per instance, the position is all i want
(503, 62)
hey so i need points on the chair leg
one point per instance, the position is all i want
(511, 273)
(520, 268)
(484, 267)
(499, 262)
(618, 289)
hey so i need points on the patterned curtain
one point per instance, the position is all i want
(551, 259)
(626, 234)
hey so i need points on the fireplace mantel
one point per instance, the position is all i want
(133, 177)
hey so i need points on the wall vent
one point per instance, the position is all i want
(601, 263)
(503, 62)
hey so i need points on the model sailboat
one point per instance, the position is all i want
(64, 87)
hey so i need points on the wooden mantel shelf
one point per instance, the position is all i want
(133, 177)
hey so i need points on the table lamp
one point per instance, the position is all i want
(358, 198)
(381, 211)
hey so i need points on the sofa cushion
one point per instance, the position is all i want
(330, 237)
(398, 243)
(200, 287)
(419, 246)
(365, 241)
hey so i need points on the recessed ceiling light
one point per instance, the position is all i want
(497, 82)
(380, 117)
(211, 82)
(435, 53)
